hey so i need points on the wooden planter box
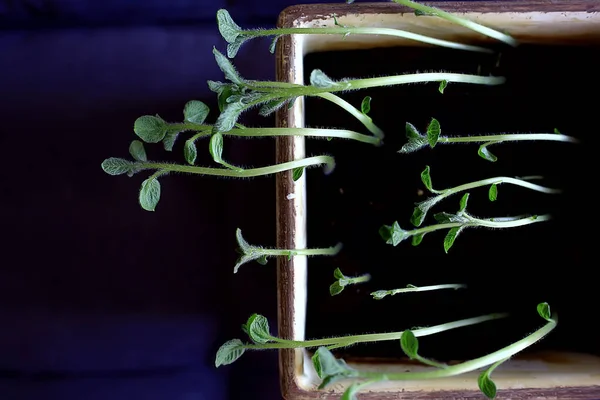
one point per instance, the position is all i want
(550, 374)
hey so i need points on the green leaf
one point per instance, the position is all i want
(215, 147)
(326, 365)
(273, 45)
(335, 288)
(117, 166)
(227, 67)
(412, 132)
(418, 216)
(137, 151)
(243, 245)
(297, 173)
(415, 139)
(229, 352)
(150, 129)
(380, 294)
(337, 274)
(409, 344)
(169, 140)
(272, 106)
(234, 47)
(420, 13)
(150, 194)
(443, 85)
(426, 178)
(393, 234)
(486, 385)
(227, 27)
(493, 192)
(195, 111)
(417, 239)
(258, 329)
(451, 237)
(365, 105)
(262, 260)
(190, 152)
(433, 132)
(228, 117)
(544, 310)
(557, 131)
(320, 80)
(463, 203)
(485, 153)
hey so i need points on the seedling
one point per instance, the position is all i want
(257, 328)
(421, 209)
(342, 281)
(380, 294)
(421, 9)
(330, 369)
(235, 36)
(416, 140)
(456, 223)
(250, 252)
(240, 95)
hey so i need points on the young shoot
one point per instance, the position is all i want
(330, 369)
(257, 328)
(342, 281)
(455, 223)
(380, 294)
(421, 209)
(235, 36)
(150, 190)
(421, 9)
(250, 252)
(416, 140)
(239, 95)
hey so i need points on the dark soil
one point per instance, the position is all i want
(506, 270)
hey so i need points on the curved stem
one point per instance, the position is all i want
(497, 180)
(362, 118)
(327, 161)
(339, 30)
(508, 137)
(344, 341)
(327, 251)
(379, 294)
(312, 132)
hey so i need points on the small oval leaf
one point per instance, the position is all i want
(195, 111)
(485, 153)
(443, 85)
(216, 147)
(426, 178)
(544, 310)
(463, 203)
(150, 129)
(137, 151)
(409, 344)
(486, 385)
(258, 329)
(227, 27)
(493, 192)
(433, 132)
(320, 80)
(116, 166)
(190, 152)
(297, 173)
(229, 352)
(451, 237)
(365, 106)
(150, 194)
(335, 288)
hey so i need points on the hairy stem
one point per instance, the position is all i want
(508, 137)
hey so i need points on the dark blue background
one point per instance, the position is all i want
(98, 298)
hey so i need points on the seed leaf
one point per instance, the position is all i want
(337, 274)
(195, 111)
(215, 147)
(329, 368)
(227, 27)
(258, 330)
(412, 132)
(463, 203)
(150, 194)
(486, 385)
(415, 139)
(544, 310)
(169, 140)
(234, 47)
(229, 352)
(409, 344)
(443, 85)
(557, 131)
(426, 178)
(227, 67)
(433, 132)
(493, 192)
(417, 239)
(485, 153)
(151, 129)
(365, 105)
(418, 216)
(228, 117)
(393, 234)
(190, 152)
(297, 173)
(137, 151)
(117, 166)
(451, 237)
(272, 106)
(320, 80)
(335, 288)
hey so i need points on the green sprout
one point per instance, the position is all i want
(331, 370)
(250, 252)
(416, 140)
(421, 209)
(456, 223)
(380, 294)
(342, 281)
(257, 328)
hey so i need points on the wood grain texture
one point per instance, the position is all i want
(286, 213)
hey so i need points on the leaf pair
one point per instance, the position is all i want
(247, 252)
(330, 369)
(257, 328)
(342, 281)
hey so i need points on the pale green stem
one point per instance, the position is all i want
(508, 137)
(327, 161)
(344, 341)
(327, 251)
(471, 365)
(340, 30)
(392, 292)
(491, 181)
(359, 279)
(484, 30)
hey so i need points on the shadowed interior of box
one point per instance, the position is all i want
(549, 86)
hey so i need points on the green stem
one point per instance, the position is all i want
(382, 293)
(471, 365)
(312, 132)
(326, 251)
(344, 341)
(484, 30)
(491, 181)
(508, 137)
(339, 30)
(359, 279)
(327, 161)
